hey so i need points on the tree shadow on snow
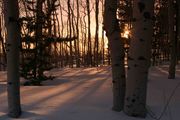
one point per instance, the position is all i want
(25, 115)
(2, 88)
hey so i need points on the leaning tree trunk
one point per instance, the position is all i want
(139, 58)
(117, 53)
(13, 44)
(172, 38)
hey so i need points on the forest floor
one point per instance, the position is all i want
(86, 94)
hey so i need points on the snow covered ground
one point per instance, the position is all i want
(86, 94)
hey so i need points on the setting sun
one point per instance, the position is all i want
(126, 34)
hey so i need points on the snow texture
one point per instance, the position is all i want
(86, 94)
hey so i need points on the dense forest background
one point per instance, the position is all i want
(70, 33)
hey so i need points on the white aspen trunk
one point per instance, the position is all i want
(117, 53)
(139, 58)
(11, 11)
(172, 39)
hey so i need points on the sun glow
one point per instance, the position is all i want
(126, 32)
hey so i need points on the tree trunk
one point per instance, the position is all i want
(178, 29)
(89, 34)
(139, 58)
(11, 10)
(3, 52)
(172, 38)
(70, 34)
(117, 53)
(77, 30)
(96, 43)
(38, 34)
(103, 43)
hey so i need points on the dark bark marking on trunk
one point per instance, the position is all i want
(135, 65)
(116, 65)
(9, 83)
(123, 76)
(130, 58)
(147, 15)
(141, 58)
(144, 28)
(12, 19)
(134, 19)
(142, 40)
(134, 114)
(133, 100)
(141, 7)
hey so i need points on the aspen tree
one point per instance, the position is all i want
(11, 12)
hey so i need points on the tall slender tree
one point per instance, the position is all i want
(112, 29)
(70, 32)
(38, 36)
(3, 50)
(78, 37)
(11, 11)
(103, 42)
(178, 30)
(89, 33)
(96, 43)
(172, 17)
(139, 58)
